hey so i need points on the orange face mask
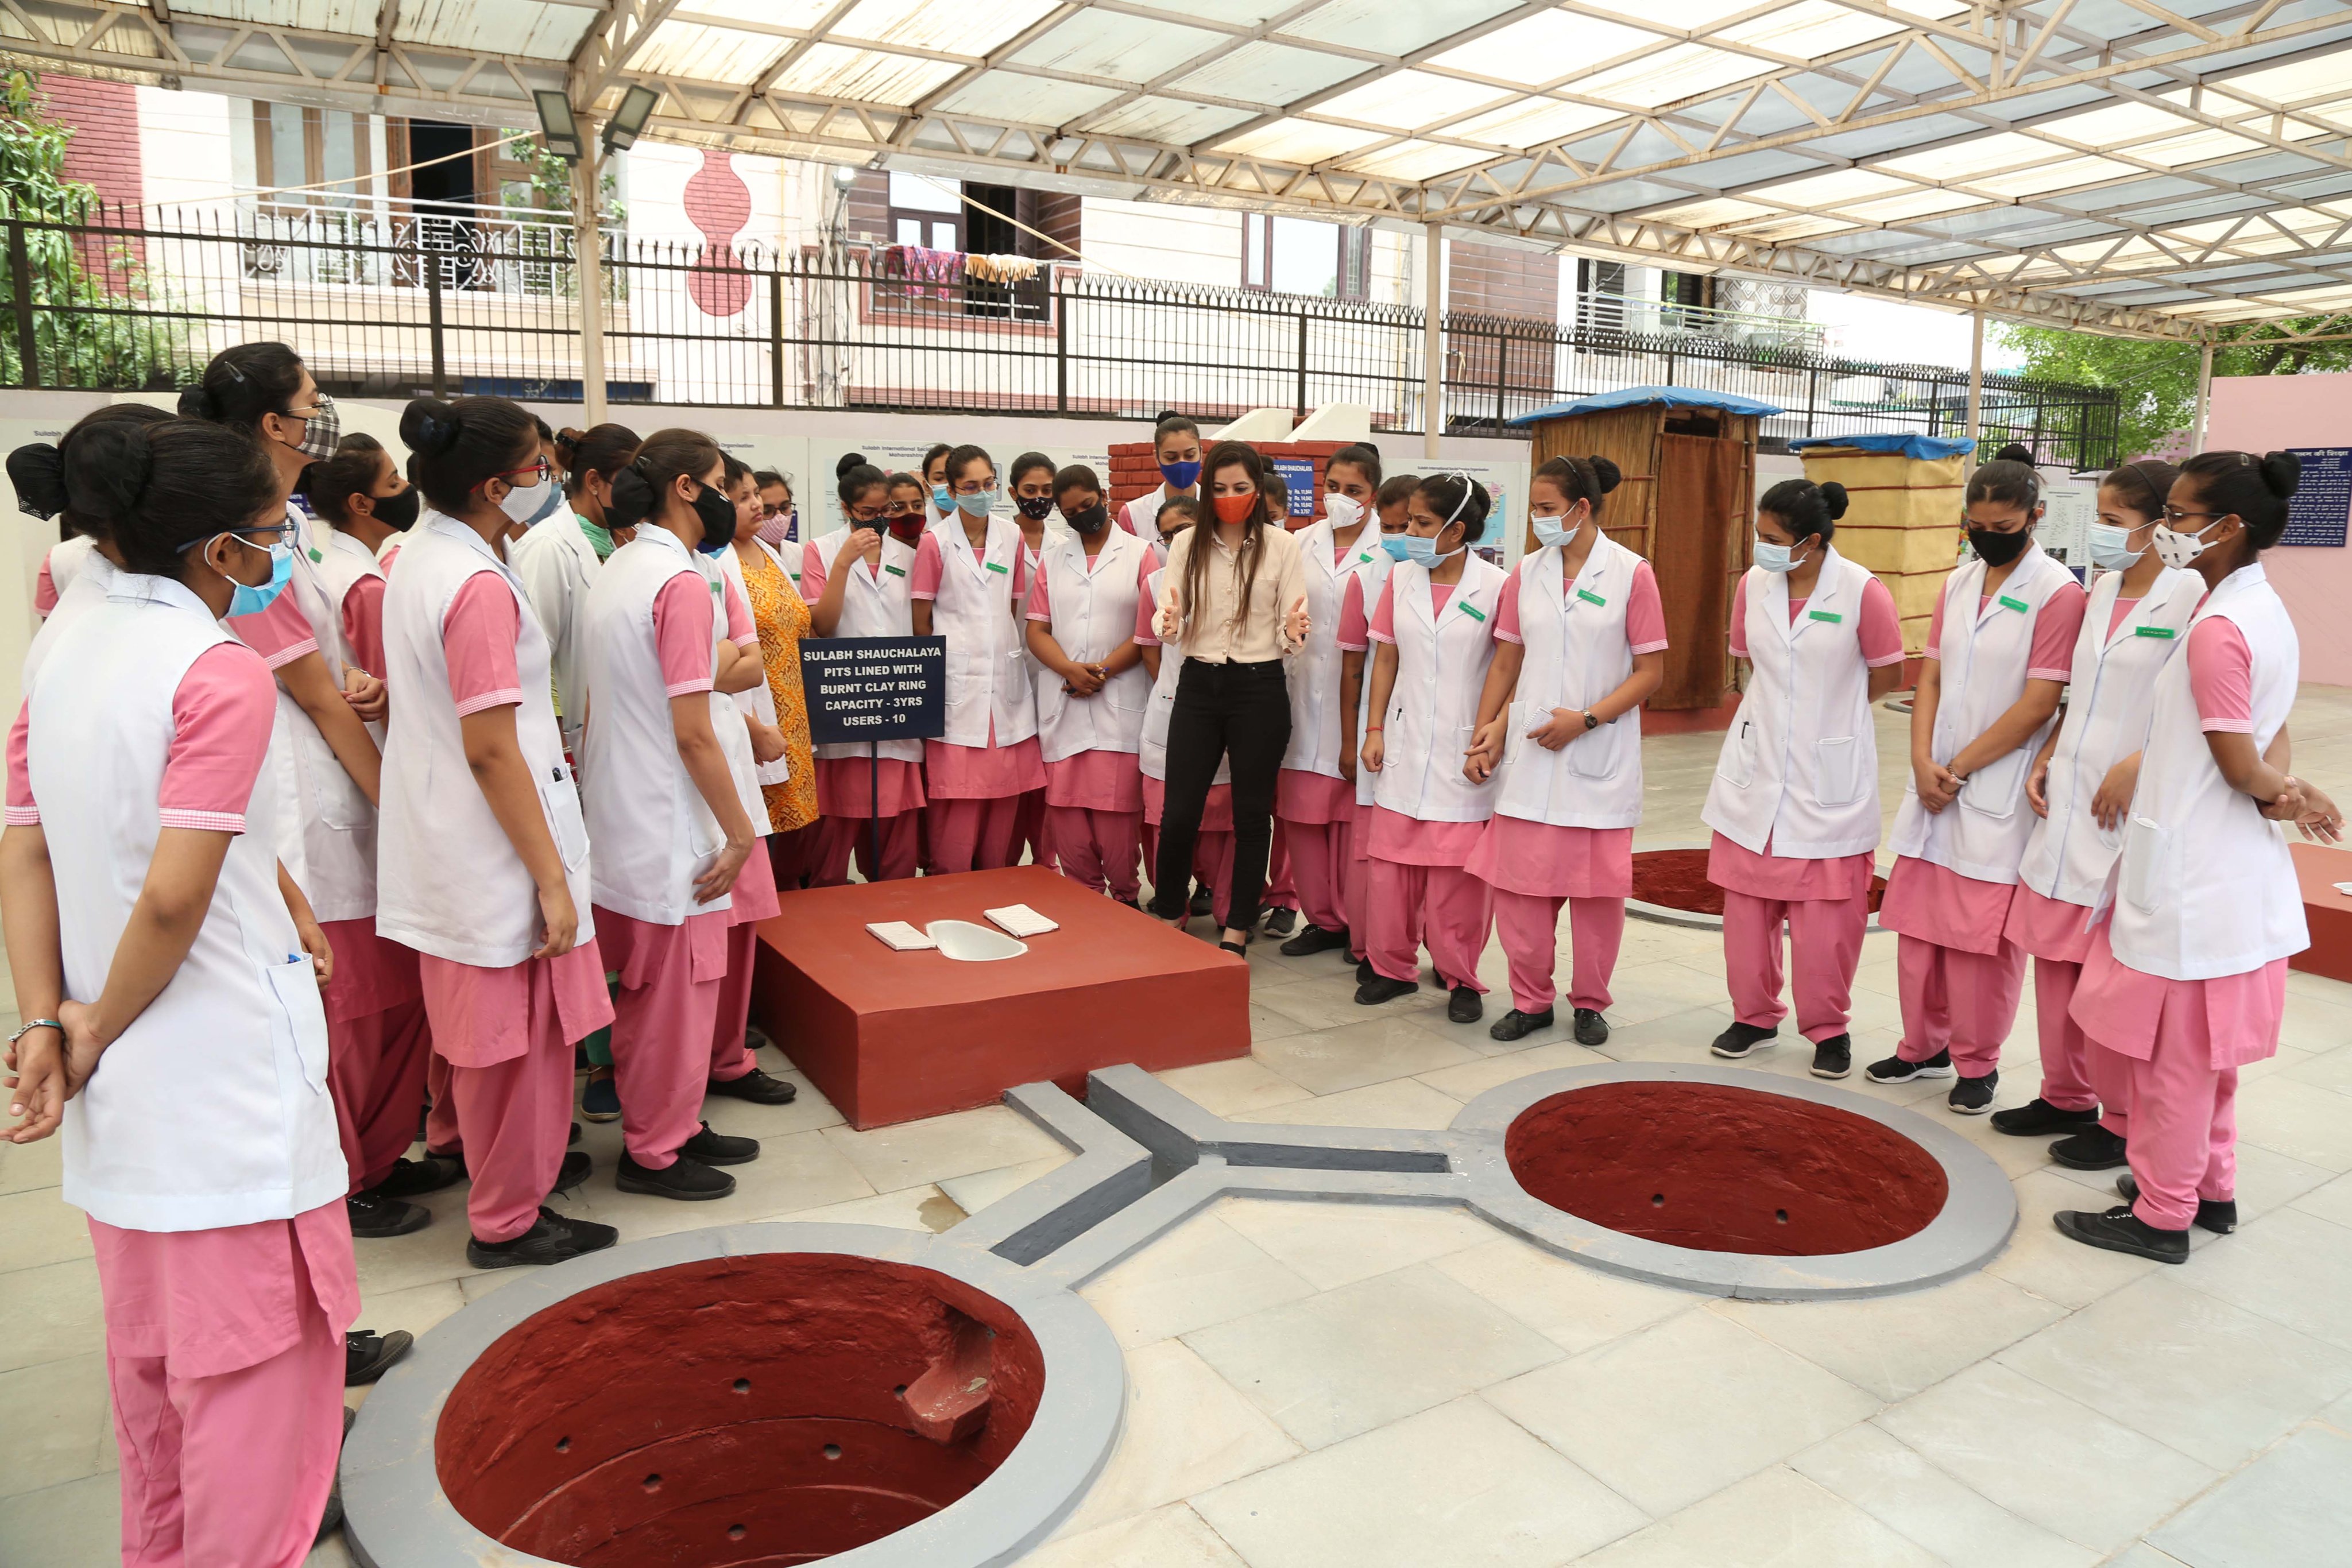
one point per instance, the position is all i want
(1236, 508)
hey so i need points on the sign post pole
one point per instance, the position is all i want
(874, 809)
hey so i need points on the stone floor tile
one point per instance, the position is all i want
(1345, 1362)
(1329, 1001)
(2301, 1120)
(41, 1228)
(1400, 1102)
(1872, 1470)
(2043, 1261)
(1202, 1272)
(1187, 1430)
(1366, 1048)
(2321, 1027)
(1267, 1024)
(1333, 1244)
(1718, 1402)
(2330, 1069)
(2187, 1368)
(1472, 1079)
(1776, 1518)
(1643, 993)
(332, 1553)
(27, 1168)
(796, 1171)
(2287, 1509)
(76, 1525)
(975, 1192)
(809, 1111)
(56, 1422)
(1458, 1484)
(1574, 1305)
(49, 1313)
(2047, 1457)
(1238, 1089)
(1897, 1345)
(416, 1308)
(909, 1208)
(914, 1153)
(2331, 1201)
(2290, 1267)
(1170, 1536)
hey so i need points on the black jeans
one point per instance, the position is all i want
(1240, 711)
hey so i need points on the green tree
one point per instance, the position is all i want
(2157, 380)
(84, 286)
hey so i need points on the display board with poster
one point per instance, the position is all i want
(2320, 512)
(2070, 505)
(1297, 475)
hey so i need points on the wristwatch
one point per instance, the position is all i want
(29, 1025)
(1590, 722)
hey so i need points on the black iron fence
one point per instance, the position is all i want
(386, 302)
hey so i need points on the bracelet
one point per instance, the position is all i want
(29, 1025)
(1374, 728)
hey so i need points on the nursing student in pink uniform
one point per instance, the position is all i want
(1794, 801)
(966, 588)
(1365, 582)
(858, 583)
(1314, 800)
(2186, 979)
(1163, 661)
(1176, 447)
(1579, 644)
(1030, 483)
(174, 1029)
(1090, 705)
(673, 807)
(2138, 617)
(2000, 651)
(1434, 624)
(483, 850)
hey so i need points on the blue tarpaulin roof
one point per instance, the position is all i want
(1928, 446)
(1638, 397)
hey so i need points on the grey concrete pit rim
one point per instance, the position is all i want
(1979, 1215)
(396, 1515)
(1696, 920)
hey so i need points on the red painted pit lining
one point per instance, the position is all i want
(761, 1410)
(1724, 1170)
(1676, 879)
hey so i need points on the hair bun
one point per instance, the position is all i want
(197, 404)
(2281, 473)
(430, 426)
(1833, 500)
(849, 460)
(1606, 475)
(38, 473)
(2015, 452)
(1164, 415)
(568, 440)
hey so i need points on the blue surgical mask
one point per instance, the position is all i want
(2110, 548)
(942, 499)
(246, 599)
(1775, 559)
(1415, 549)
(1182, 475)
(978, 503)
(1553, 531)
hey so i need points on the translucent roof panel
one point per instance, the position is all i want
(2107, 162)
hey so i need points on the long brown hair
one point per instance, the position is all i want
(1229, 454)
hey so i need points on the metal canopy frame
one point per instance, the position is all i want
(2124, 166)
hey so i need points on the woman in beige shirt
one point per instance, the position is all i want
(1233, 603)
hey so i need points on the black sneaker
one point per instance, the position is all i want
(1516, 1025)
(2037, 1118)
(1834, 1057)
(571, 1173)
(1740, 1039)
(1381, 988)
(552, 1238)
(2121, 1231)
(1894, 1069)
(718, 1149)
(1201, 900)
(573, 1137)
(1312, 939)
(1591, 1028)
(368, 1355)
(1464, 1006)
(2092, 1149)
(331, 1520)
(686, 1179)
(412, 1178)
(600, 1099)
(1364, 971)
(1973, 1096)
(756, 1086)
(373, 1217)
(2217, 1215)
(1281, 922)
(755, 1038)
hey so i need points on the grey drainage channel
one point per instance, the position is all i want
(1147, 1158)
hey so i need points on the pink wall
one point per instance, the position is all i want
(2262, 413)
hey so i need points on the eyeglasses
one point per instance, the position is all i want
(538, 472)
(867, 514)
(777, 511)
(2174, 515)
(273, 535)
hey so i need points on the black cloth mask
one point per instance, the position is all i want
(1996, 548)
(397, 512)
(1088, 519)
(717, 514)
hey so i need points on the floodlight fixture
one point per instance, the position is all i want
(559, 127)
(629, 122)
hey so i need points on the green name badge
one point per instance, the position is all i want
(994, 567)
(901, 571)
(1589, 597)
(1473, 612)
(1831, 616)
(1363, 558)
(2017, 604)
(316, 556)
(2165, 631)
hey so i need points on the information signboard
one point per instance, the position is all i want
(2321, 509)
(875, 688)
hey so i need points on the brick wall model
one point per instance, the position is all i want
(1497, 280)
(102, 153)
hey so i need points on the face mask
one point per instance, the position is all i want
(943, 499)
(1997, 549)
(1088, 519)
(397, 512)
(1182, 475)
(2109, 548)
(1341, 511)
(1235, 508)
(2175, 548)
(978, 503)
(717, 514)
(322, 430)
(778, 530)
(906, 530)
(523, 504)
(1034, 508)
(248, 599)
(1554, 531)
(1775, 557)
(1415, 549)
(598, 539)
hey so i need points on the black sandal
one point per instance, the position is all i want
(1240, 949)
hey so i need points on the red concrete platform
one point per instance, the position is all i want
(2319, 868)
(890, 1037)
